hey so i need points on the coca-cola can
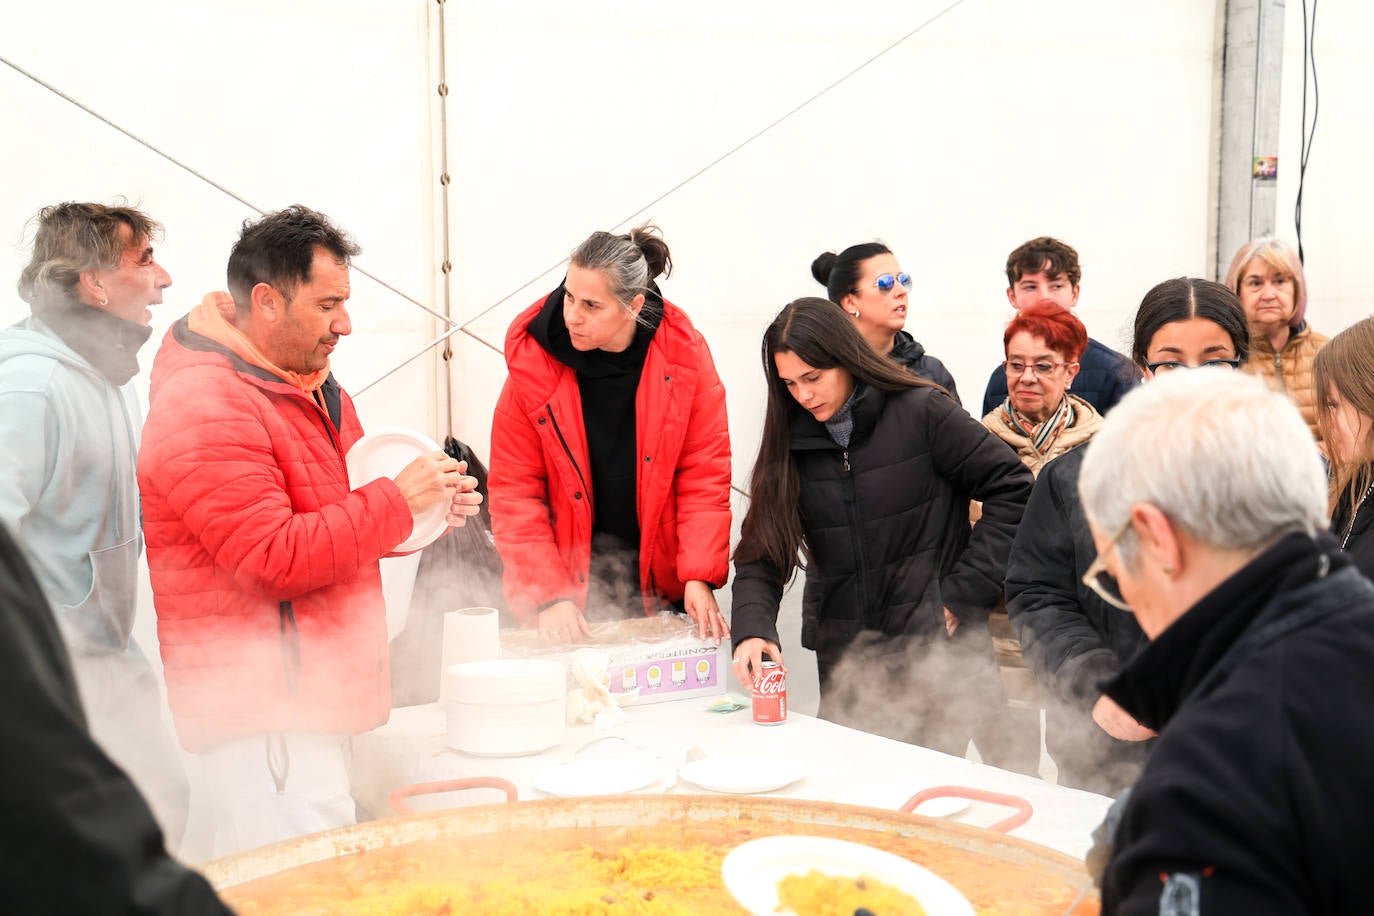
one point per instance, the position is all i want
(770, 694)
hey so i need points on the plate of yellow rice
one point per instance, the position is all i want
(821, 876)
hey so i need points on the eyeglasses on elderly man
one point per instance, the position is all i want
(1102, 582)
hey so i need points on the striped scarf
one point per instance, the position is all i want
(1042, 436)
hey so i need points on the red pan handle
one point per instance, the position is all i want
(397, 798)
(1023, 807)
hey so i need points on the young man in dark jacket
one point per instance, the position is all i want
(75, 835)
(1046, 270)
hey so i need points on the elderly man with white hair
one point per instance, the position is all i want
(1206, 495)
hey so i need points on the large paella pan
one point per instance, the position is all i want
(615, 854)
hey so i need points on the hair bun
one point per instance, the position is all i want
(822, 267)
(648, 238)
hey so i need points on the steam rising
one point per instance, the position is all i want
(932, 691)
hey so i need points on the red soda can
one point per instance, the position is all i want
(770, 695)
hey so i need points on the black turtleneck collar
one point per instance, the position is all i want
(1169, 669)
(549, 329)
(106, 341)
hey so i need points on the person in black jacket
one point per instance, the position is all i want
(1072, 639)
(1343, 375)
(75, 835)
(867, 282)
(868, 472)
(1046, 270)
(1206, 497)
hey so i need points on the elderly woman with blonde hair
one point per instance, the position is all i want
(1206, 499)
(1267, 276)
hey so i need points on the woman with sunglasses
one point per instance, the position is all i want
(868, 471)
(610, 452)
(870, 286)
(1075, 630)
(1344, 376)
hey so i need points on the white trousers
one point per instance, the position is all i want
(269, 788)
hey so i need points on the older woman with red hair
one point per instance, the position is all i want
(1040, 418)
(1267, 276)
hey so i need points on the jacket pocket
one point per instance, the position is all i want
(105, 617)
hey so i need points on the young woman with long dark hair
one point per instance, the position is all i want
(867, 471)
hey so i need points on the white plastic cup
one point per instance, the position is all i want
(471, 634)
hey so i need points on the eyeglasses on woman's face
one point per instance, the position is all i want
(1169, 365)
(886, 283)
(1015, 368)
(1102, 582)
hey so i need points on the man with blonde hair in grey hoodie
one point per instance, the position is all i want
(69, 434)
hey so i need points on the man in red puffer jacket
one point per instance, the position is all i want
(264, 562)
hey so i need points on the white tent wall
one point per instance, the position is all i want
(1338, 197)
(995, 123)
(998, 121)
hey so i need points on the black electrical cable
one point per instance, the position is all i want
(1309, 61)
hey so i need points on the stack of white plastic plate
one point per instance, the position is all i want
(505, 707)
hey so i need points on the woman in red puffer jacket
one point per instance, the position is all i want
(610, 454)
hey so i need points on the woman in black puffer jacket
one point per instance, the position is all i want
(867, 472)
